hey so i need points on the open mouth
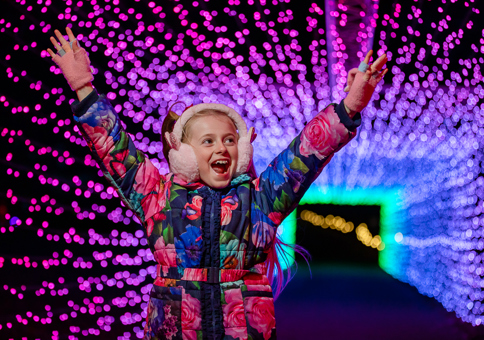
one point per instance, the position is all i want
(221, 167)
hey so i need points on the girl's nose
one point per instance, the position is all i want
(221, 148)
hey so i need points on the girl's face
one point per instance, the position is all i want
(214, 140)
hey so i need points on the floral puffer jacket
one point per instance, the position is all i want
(210, 245)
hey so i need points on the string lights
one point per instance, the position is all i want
(329, 221)
(362, 232)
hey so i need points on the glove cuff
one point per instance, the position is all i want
(75, 67)
(361, 92)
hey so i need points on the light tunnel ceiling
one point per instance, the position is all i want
(277, 63)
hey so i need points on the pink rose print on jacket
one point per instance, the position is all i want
(155, 190)
(188, 334)
(229, 203)
(99, 138)
(156, 201)
(166, 191)
(260, 314)
(118, 162)
(165, 254)
(234, 317)
(149, 227)
(322, 135)
(95, 131)
(146, 182)
(191, 312)
(193, 210)
(101, 142)
(157, 218)
(169, 325)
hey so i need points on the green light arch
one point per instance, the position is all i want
(392, 217)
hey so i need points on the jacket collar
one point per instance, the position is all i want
(244, 178)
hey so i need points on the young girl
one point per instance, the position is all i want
(211, 223)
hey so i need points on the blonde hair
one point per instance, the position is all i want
(168, 125)
(172, 117)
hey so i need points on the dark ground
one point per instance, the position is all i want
(345, 302)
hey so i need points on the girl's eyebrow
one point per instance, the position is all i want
(213, 134)
(206, 135)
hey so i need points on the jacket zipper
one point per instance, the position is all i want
(212, 286)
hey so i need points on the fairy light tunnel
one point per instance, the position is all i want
(80, 256)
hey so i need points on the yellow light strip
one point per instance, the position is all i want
(339, 223)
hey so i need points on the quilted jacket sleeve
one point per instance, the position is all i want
(281, 186)
(136, 179)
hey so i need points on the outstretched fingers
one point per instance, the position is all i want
(368, 57)
(72, 39)
(62, 44)
(51, 53)
(379, 63)
(375, 69)
(56, 45)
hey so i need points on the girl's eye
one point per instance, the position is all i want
(207, 141)
(230, 140)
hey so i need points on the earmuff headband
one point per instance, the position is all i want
(183, 161)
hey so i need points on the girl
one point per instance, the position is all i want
(211, 223)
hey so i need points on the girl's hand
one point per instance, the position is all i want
(73, 61)
(362, 82)
(63, 44)
(375, 68)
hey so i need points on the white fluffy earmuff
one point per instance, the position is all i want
(183, 161)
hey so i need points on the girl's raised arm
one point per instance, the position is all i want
(136, 179)
(76, 68)
(281, 186)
